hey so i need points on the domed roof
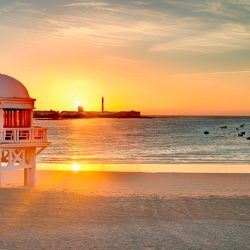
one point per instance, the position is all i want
(12, 88)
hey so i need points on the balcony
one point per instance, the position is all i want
(23, 135)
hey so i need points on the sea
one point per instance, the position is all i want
(160, 140)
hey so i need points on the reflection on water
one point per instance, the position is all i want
(145, 141)
(148, 168)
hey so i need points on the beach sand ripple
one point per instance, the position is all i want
(39, 219)
(107, 210)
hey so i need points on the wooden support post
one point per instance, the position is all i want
(30, 173)
(26, 177)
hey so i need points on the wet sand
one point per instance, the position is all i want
(127, 211)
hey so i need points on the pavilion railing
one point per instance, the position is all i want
(21, 135)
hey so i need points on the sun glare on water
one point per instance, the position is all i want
(75, 167)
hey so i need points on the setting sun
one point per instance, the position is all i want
(78, 103)
(75, 167)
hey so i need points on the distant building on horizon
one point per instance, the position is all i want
(80, 109)
(71, 114)
(46, 114)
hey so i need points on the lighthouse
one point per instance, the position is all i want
(102, 104)
(20, 141)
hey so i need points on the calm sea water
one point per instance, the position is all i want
(158, 140)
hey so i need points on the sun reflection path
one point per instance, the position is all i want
(147, 168)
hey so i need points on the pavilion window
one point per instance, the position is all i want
(17, 118)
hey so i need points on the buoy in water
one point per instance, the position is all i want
(224, 126)
(206, 132)
(241, 134)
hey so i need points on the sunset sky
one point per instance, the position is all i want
(161, 57)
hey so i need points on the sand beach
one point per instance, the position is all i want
(115, 210)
